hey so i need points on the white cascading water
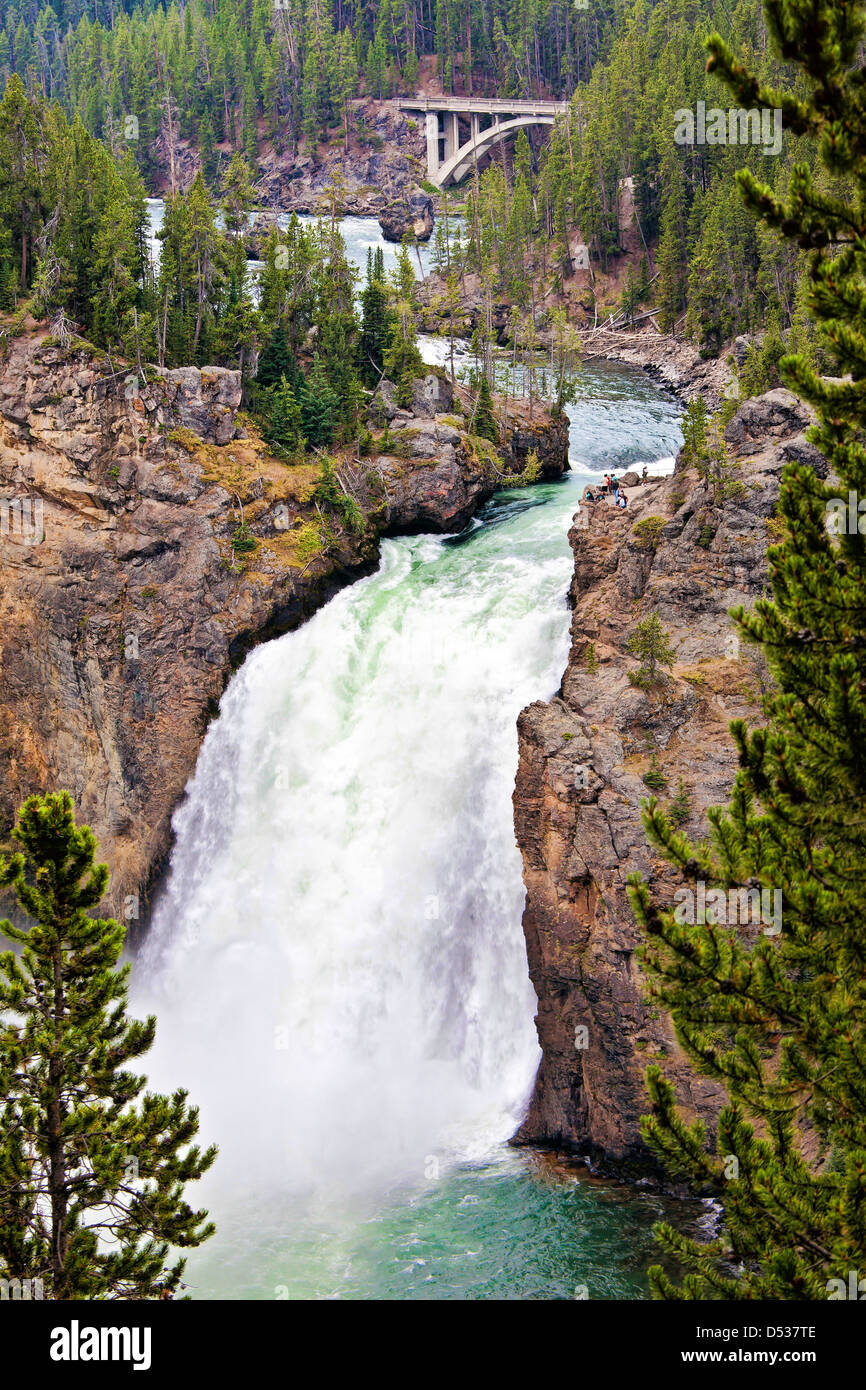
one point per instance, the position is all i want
(337, 961)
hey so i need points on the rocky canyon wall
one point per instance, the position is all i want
(148, 539)
(582, 757)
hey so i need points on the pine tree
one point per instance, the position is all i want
(236, 195)
(484, 420)
(403, 360)
(285, 420)
(206, 149)
(564, 359)
(320, 407)
(202, 261)
(780, 1019)
(377, 320)
(346, 79)
(21, 196)
(694, 428)
(275, 362)
(91, 1184)
(680, 808)
(654, 777)
(649, 642)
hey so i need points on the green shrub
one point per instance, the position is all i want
(680, 808)
(243, 541)
(647, 533)
(654, 778)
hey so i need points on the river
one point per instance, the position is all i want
(337, 960)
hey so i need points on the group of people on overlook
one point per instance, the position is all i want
(610, 487)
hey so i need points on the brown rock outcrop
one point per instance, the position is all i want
(381, 168)
(675, 362)
(413, 217)
(582, 759)
(148, 539)
(546, 437)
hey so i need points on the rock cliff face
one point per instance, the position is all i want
(147, 540)
(673, 361)
(382, 168)
(677, 553)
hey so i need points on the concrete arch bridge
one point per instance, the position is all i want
(461, 129)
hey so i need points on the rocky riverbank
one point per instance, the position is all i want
(583, 756)
(150, 539)
(673, 361)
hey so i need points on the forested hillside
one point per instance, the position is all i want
(245, 76)
(291, 61)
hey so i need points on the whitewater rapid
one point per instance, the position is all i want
(338, 955)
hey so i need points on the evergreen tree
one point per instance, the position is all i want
(336, 325)
(238, 322)
(237, 195)
(346, 79)
(780, 1020)
(207, 152)
(91, 1184)
(285, 419)
(649, 642)
(564, 359)
(200, 270)
(320, 408)
(680, 808)
(21, 194)
(377, 320)
(654, 777)
(484, 420)
(694, 427)
(403, 360)
(275, 362)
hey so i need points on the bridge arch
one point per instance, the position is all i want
(459, 164)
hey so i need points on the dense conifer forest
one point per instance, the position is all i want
(236, 78)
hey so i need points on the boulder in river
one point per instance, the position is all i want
(257, 234)
(413, 218)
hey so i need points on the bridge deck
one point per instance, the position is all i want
(484, 106)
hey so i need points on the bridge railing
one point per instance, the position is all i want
(483, 106)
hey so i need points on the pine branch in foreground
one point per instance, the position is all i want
(91, 1182)
(781, 1020)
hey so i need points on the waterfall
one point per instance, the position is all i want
(336, 959)
(338, 956)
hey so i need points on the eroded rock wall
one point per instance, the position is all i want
(124, 601)
(583, 756)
